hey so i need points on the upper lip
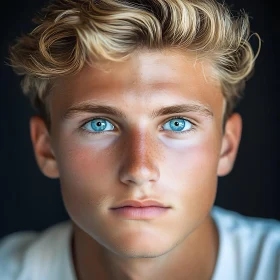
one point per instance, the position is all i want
(137, 203)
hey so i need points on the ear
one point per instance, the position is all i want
(230, 144)
(42, 147)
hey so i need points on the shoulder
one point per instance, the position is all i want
(20, 251)
(12, 250)
(249, 246)
(238, 223)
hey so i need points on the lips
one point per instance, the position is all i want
(140, 210)
(141, 204)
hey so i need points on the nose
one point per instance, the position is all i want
(139, 160)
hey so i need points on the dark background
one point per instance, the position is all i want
(30, 201)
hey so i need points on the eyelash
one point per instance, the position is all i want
(175, 117)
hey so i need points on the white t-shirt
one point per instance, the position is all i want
(249, 250)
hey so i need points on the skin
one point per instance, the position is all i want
(140, 158)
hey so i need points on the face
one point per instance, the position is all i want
(104, 158)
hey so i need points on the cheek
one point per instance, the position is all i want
(197, 159)
(194, 173)
(85, 178)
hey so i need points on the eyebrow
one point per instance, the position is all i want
(104, 109)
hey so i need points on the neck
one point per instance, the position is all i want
(193, 258)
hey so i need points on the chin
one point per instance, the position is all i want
(141, 245)
(141, 251)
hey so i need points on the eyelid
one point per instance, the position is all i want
(84, 122)
(179, 117)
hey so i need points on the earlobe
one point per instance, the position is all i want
(230, 144)
(42, 147)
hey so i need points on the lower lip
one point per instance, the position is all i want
(140, 213)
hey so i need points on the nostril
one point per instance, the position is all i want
(141, 175)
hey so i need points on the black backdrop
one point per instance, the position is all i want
(29, 201)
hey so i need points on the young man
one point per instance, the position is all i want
(135, 102)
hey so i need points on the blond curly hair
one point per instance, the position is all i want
(70, 34)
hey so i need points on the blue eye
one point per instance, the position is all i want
(98, 125)
(178, 125)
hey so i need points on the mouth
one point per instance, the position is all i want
(140, 210)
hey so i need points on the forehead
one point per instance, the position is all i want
(147, 77)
